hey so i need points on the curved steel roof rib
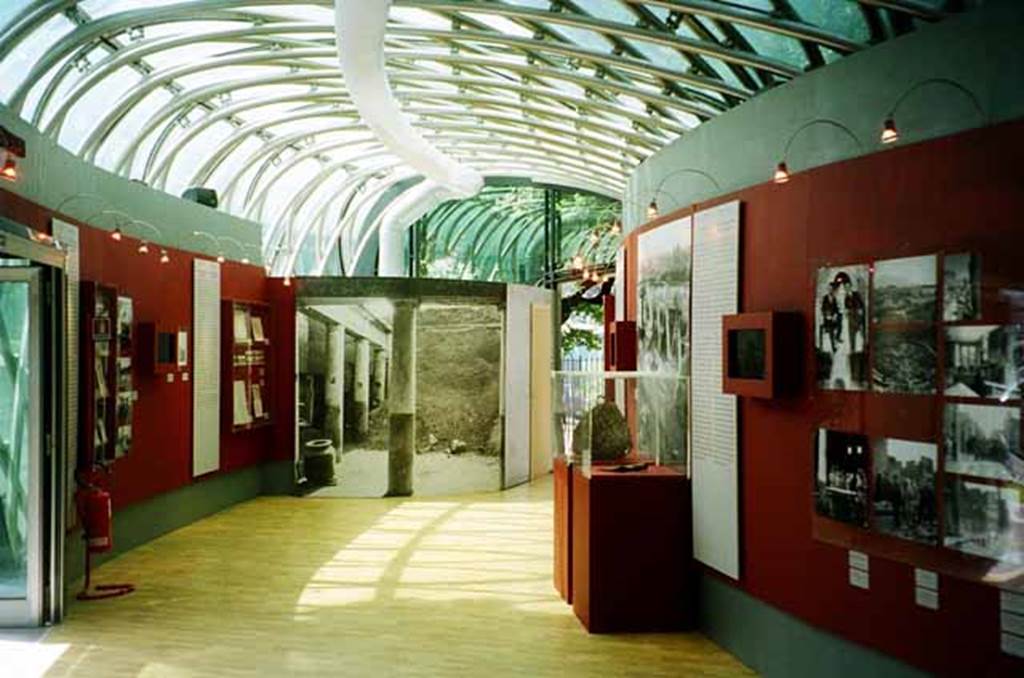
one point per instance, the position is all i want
(246, 96)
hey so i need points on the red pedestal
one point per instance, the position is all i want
(563, 528)
(631, 550)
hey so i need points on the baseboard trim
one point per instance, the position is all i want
(775, 643)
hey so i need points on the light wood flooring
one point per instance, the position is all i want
(357, 587)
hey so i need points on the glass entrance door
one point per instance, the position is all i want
(21, 427)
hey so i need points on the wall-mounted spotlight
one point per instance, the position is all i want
(652, 210)
(287, 281)
(10, 169)
(577, 263)
(245, 260)
(143, 247)
(890, 134)
(12, 147)
(616, 228)
(116, 234)
(781, 174)
(164, 257)
(220, 259)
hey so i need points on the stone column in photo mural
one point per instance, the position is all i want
(379, 377)
(402, 400)
(334, 397)
(361, 390)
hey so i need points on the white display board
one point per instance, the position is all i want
(67, 235)
(714, 429)
(206, 369)
(516, 368)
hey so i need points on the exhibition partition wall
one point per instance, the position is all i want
(883, 499)
(153, 486)
(417, 386)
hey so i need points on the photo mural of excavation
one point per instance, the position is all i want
(400, 387)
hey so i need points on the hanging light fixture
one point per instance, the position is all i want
(10, 170)
(143, 247)
(781, 175)
(652, 210)
(890, 134)
(164, 257)
(116, 234)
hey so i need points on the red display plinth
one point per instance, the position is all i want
(563, 528)
(631, 550)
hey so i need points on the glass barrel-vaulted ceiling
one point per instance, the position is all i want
(246, 96)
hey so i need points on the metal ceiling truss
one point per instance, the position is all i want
(559, 93)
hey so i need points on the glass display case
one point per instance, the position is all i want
(625, 421)
(246, 365)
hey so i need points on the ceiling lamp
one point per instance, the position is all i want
(164, 257)
(781, 175)
(890, 134)
(143, 247)
(652, 210)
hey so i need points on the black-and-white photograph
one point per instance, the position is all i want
(841, 463)
(961, 293)
(663, 337)
(840, 328)
(905, 290)
(985, 520)
(983, 441)
(904, 361)
(904, 491)
(984, 361)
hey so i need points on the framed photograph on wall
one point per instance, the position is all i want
(961, 287)
(905, 290)
(904, 492)
(983, 441)
(984, 361)
(841, 465)
(984, 519)
(904, 361)
(841, 328)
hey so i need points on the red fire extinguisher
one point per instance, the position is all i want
(95, 510)
(96, 516)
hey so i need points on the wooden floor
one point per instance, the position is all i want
(357, 587)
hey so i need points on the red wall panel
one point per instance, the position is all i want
(960, 193)
(161, 456)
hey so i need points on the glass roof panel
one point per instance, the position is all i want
(610, 82)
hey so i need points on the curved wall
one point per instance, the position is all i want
(981, 50)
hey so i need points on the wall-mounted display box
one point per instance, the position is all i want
(246, 369)
(162, 350)
(761, 354)
(107, 389)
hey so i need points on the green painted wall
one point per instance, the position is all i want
(58, 180)
(982, 50)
